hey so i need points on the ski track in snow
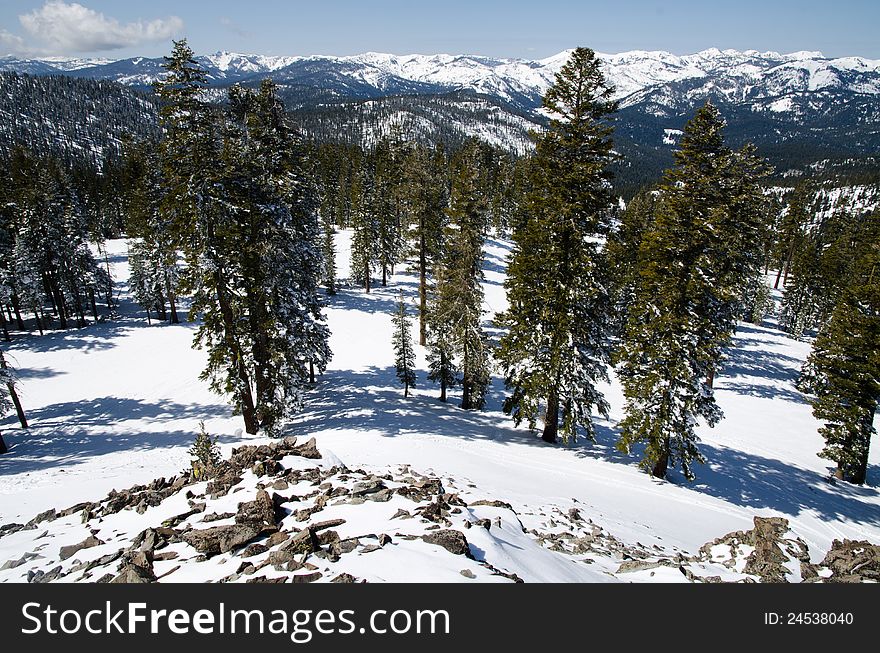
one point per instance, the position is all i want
(119, 403)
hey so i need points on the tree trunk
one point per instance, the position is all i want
(3, 448)
(14, 395)
(5, 327)
(443, 364)
(248, 409)
(312, 372)
(662, 464)
(171, 300)
(423, 288)
(710, 380)
(466, 402)
(38, 320)
(551, 420)
(94, 305)
(384, 275)
(17, 309)
(367, 278)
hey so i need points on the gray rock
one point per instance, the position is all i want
(467, 573)
(453, 541)
(853, 561)
(220, 539)
(258, 514)
(72, 549)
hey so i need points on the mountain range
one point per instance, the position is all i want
(801, 108)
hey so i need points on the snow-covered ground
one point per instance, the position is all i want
(118, 404)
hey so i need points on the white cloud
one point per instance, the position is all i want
(11, 43)
(66, 28)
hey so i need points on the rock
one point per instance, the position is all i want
(768, 560)
(44, 577)
(277, 538)
(220, 539)
(853, 561)
(48, 515)
(467, 573)
(384, 539)
(370, 548)
(280, 557)
(254, 549)
(330, 523)
(306, 578)
(134, 574)
(344, 578)
(307, 450)
(80, 507)
(629, 566)
(166, 555)
(280, 485)
(367, 487)
(453, 541)
(217, 517)
(263, 579)
(303, 542)
(88, 543)
(258, 514)
(381, 496)
(492, 504)
(9, 529)
(402, 514)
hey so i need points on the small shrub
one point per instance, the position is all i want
(205, 454)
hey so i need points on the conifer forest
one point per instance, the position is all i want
(562, 350)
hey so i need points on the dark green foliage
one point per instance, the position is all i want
(240, 204)
(404, 355)
(456, 309)
(556, 348)
(205, 454)
(843, 370)
(696, 261)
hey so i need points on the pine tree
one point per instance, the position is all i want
(556, 349)
(455, 315)
(364, 249)
(843, 369)
(623, 253)
(241, 206)
(425, 199)
(696, 261)
(404, 354)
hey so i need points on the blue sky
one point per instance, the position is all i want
(509, 28)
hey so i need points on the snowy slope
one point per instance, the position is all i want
(118, 404)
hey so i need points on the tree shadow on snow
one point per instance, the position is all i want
(65, 434)
(370, 400)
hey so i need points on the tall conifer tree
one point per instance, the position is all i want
(556, 349)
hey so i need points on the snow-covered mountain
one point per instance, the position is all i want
(799, 108)
(637, 75)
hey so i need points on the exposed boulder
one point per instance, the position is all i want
(453, 541)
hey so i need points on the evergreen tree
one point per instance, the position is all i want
(240, 204)
(404, 355)
(696, 260)
(556, 348)
(843, 369)
(425, 198)
(623, 253)
(364, 248)
(457, 307)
